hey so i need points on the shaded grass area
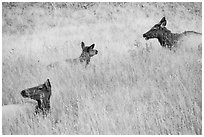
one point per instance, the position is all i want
(131, 87)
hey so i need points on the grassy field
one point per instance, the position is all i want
(132, 86)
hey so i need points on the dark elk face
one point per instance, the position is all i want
(157, 30)
(87, 53)
(39, 93)
(89, 49)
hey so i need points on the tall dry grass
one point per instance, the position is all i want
(132, 86)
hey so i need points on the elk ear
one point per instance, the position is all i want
(82, 45)
(47, 84)
(92, 46)
(163, 22)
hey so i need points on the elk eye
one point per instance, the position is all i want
(40, 88)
